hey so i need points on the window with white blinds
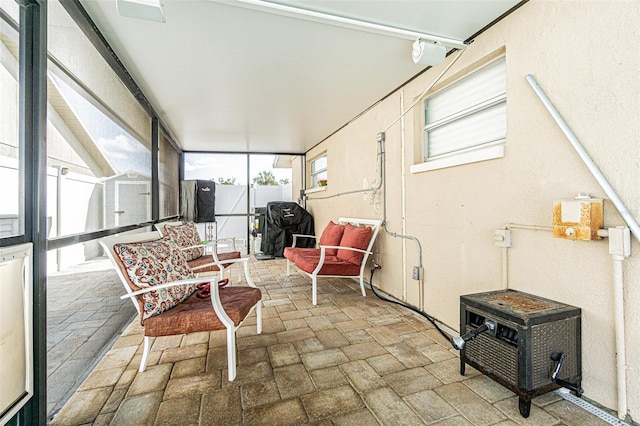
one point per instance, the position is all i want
(319, 171)
(469, 116)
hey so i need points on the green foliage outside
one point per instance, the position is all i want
(264, 178)
(227, 181)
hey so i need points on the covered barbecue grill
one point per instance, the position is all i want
(282, 220)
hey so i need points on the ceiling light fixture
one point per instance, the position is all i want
(341, 21)
(148, 10)
(426, 52)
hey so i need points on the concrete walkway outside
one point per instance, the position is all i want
(84, 314)
(349, 360)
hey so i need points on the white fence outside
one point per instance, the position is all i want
(76, 204)
(232, 200)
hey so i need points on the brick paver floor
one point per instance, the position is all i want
(349, 360)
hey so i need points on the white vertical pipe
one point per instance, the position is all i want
(586, 159)
(505, 268)
(403, 202)
(621, 362)
(617, 259)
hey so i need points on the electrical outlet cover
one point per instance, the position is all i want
(502, 237)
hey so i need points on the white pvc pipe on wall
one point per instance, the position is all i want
(621, 361)
(618, 298)
(586, 159)
(505, 268)
(505, 250)
(618, 284)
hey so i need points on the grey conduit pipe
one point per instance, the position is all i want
(381, 139)
(586, 159)
(374, 188)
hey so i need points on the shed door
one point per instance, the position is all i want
(133, 203)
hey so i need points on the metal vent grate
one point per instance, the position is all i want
(612, 420)
(495, 357)
(547, 338)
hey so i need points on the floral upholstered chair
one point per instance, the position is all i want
(204, 258)
(164, 290)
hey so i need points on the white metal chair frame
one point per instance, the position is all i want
(108, 243)
(375, 227)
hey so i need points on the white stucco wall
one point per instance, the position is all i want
(585, 57)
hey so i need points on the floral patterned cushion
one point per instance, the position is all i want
(186, 235)
(149, 263)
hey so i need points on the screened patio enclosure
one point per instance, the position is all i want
(103, 116)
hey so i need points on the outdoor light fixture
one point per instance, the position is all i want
(148, 10)
(426, 52)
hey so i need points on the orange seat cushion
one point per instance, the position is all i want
(195, 314)
(207, 259)
(332, 265)
(292, 253)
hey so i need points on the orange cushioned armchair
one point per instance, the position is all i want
(343, 252)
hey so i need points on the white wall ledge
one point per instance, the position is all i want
(484, 154)
(312, 190)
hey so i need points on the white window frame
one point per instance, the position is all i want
(475, 150)
(315, 173)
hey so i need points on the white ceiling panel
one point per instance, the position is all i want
(228, 76)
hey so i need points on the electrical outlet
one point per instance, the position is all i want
(502, 237)
(375, 264)
(416, 273)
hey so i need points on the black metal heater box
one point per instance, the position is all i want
(530, 345)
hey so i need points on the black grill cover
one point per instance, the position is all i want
(206, 201)
(282, 220)
(198, 200)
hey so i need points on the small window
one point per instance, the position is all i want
(319, 172)
(466, 122)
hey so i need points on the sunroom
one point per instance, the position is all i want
(495, 141)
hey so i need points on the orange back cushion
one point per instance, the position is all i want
(356, 237)
(331, 236)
